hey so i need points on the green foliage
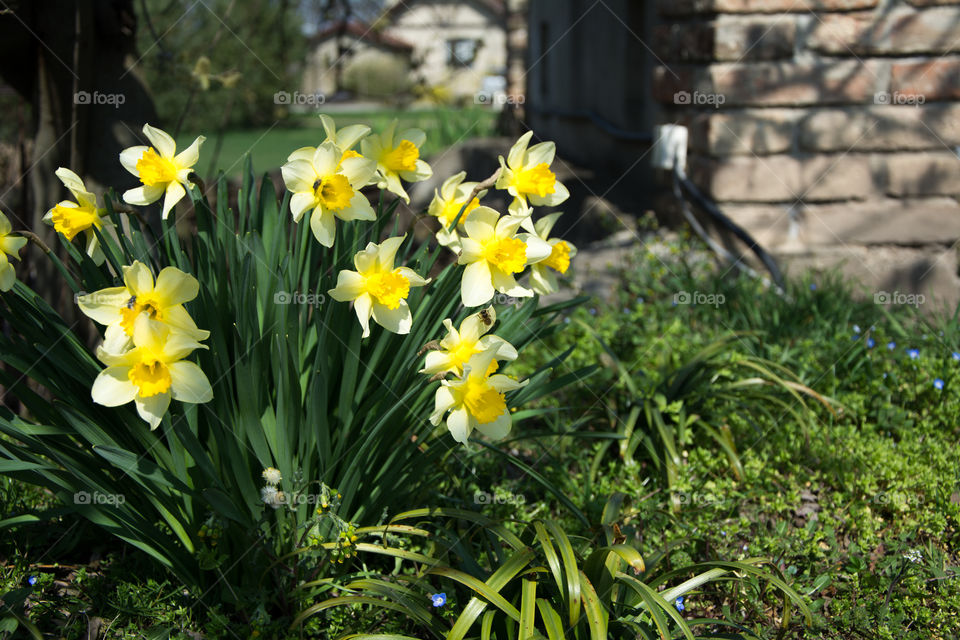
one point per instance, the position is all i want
(541, 583)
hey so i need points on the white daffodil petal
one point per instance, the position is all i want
(359, 209)
(324, 226)
(476, 288)
(442, 402)
(160, 140)
(397, 320)
(104, 306)
(458, 422)
(130, 156)
(112, 387)
(189, 156)
(300, 203)
(498, 429)
(153, 408)
(299, 176)
(518, 151)
(364, 308)
(174, 193)
(350, 286)
(175, 287)
(142, 196)
(542, 153)
(188, 383)
(137, 278)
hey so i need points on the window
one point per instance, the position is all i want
(461, 53)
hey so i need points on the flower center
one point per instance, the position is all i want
(537, 180)
(72, 220)
(388, 287)
(559, 258)
(154, 170)
(452, 208)
(484, 403)
(151, 377)
(334, 192)
(506, 254)
(403, 158)
(134, 307)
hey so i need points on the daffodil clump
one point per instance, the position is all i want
(268, 357)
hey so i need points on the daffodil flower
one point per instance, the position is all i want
(118, 308)
(70, 218)
(151, 373)
(493, 254)
(379, 289)
(9, 245)
(328, 185)
(345, 140)
(526, 175)
(458, 346)
(446, 205)
(543, 275)
(397, 156)
(476, 401)
(163, 171)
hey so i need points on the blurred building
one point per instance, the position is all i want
(829, 129)
(452, 49)
(459, 45)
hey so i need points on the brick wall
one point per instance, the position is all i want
(828, 128)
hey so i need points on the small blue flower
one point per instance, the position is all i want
(913, 353)
(856, 328)
(956, 355)
(884, 376)
(678, 603)
(439, 599)
(32, 580)
(938, 384)
(871, 343)
(891, 345)
(639, 300)
(813, 287)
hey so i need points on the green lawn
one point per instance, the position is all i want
(269, 147)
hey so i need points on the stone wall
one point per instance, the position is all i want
(828, 128)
